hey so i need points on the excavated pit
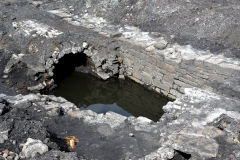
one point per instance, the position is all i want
(77, 83)
(153, 51)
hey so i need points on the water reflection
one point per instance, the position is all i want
(121, 96)
(104, 108)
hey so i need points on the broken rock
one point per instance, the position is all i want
(150, 48)
(2, 108)
(32, 147)
(4, 129)
(161, 45)
(197, 140)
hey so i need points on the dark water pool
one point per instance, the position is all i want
(121, 96)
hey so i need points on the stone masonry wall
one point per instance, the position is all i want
(167, 68)
(171, 77)
(148, 58)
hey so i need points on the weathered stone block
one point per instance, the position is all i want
(128, 62)
(156, 81)
(164, 92)
(181, 89)
(164, 86)
(224, 71)
(197, 141)
(175, 93)
(188, 80)
(169, 95)
(181, 71)
(148, 69)
(173, 62)
(210, 66)
(157, 73)
(161, 45)
(150, 48)
(217, 77)
(157, 90)
(185, 63)
(175, 86)
(198, 63)
(168, 78)
(136, 80)
(161, 64)
(160, 57)
(169, 68)
(134, 53)
(146, 78)
(137, 71)
(207, 87)
(182, 84)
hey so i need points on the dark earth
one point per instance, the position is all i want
(207, 24)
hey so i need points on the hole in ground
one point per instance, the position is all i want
(89, 92)
(181, 156)
(67, 65)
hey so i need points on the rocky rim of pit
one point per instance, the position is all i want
(186, 50)
(201, 124)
